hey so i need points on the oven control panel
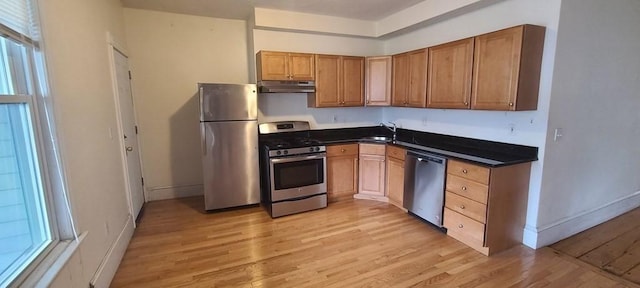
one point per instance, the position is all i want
(297, 151)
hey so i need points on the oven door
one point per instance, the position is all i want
(298, 176)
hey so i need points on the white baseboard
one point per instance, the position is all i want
(111, 261)
(555, 232)
(173, 192)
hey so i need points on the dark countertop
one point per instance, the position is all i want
(483, 152)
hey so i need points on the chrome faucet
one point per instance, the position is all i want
(392, 128)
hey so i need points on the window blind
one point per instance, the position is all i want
(15, 15)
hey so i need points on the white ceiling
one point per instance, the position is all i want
(371, 10)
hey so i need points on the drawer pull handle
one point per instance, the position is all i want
(464, 171)
(464, 188)
(460, 226)
(461, 206)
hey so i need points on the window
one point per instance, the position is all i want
(29, 196)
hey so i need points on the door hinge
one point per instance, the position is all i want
(136, 127)
(129, 75)
(142, 180)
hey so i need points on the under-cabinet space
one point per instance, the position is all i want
(372, 171)
(342, 171)
(485, 207)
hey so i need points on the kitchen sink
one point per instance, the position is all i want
(377, 139)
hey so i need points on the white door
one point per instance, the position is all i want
(129, 133)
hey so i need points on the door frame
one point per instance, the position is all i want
(115, 47)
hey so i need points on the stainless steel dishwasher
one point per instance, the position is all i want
(424, 178)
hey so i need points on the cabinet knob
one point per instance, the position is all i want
(461, 206)
(464, 171)
(464, 188)
(368, 101)
(510, 104)
(460, 226)
(466, 103)
(343, 150)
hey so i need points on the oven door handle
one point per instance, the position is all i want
(298, 158)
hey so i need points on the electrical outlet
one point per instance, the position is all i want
(511, 128)
(335, 118)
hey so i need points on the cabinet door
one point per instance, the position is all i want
(272, 65)
(496, 68)
(400, 80)
(327, 81)
(395, 181)
(378, 81)
(352, 81)
(372, 169)
(342, 177)
(449, 74)
(417, 94)
(301, 66)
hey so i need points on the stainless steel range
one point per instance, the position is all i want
(292, 169)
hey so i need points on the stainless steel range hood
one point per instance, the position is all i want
(287, 86)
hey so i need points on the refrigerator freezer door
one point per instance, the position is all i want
(230, 164)
(225, 102)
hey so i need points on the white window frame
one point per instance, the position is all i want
(44, 266)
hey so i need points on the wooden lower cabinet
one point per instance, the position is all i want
(485, 207)
(342, 171)
(395, 175)
(372, 171)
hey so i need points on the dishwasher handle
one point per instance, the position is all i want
(426, 158)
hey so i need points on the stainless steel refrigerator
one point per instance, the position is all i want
(229, 134)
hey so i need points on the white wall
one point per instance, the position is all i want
(75, 34)
(277, 107)
(529, 127)
(591, 173)
(170, 54)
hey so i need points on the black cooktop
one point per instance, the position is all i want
(288, 140)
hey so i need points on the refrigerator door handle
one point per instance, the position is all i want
(201, 96)
(203, 138)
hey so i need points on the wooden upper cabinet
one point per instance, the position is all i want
(449, 75)
(352, 81)
(339, 81)
(285, 66)
(409, 79)
(400, 79)
(301, 66)
(417, 95)
(378, 81)
(506, 70)
(327, 81)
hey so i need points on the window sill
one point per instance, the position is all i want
(49, 268)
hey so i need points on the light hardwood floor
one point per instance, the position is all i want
(352, 243)
(613, 246)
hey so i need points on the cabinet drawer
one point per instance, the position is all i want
(467, 188)
(339, 150)
(396, 152)
(374, 149)
(469, 171)
(464, 228)
(467, 207)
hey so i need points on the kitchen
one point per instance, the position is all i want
(165, 89)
